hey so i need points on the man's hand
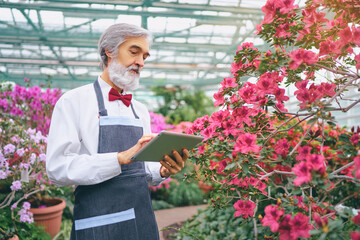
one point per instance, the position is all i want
(171, 166)
(124, 157)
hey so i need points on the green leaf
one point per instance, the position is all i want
(245, 167)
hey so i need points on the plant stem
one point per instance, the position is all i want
(278, 172)
(342, 168)
(302, 139)
(341, 90)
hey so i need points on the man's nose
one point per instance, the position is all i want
(140, 61)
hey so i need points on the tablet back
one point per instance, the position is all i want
(164, 143)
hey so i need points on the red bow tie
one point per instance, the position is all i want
(114, 95)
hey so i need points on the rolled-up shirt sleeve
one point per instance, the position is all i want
(68, 162)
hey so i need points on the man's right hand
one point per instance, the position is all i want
(125, 156)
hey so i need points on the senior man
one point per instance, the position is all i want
(95, 130)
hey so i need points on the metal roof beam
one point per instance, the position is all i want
(182, 6)
(93, 12)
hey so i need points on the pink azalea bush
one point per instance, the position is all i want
(295, 174)
(158, 123)
(30, 106)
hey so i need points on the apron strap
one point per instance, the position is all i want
(132, 107)
(100, 99)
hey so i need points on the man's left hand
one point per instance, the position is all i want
(171, 166)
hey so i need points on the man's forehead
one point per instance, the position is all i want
(138, 42)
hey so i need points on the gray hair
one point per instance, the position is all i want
(115, 35)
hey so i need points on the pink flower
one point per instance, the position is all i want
(356, 35)
(26, 205)
(355, 235)
(9, 148)
(280, 95)
(304, 153)
(219, 99)
(16, 185)
(267, 83)
(248, 93)
(272, 216)
(246, 143)
(246, 209)
(357, 164)
(208, 132)
(345, 36)
(302, 171)
(357, 59)
(285, 228)
(316, 161)
(355, 139)
(300, 56)
(242, 115)
(300, 226)
(229, 82)
(282, 147)
(235, 67)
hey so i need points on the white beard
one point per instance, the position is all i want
(123, 77)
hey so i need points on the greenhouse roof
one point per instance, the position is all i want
(56, 41)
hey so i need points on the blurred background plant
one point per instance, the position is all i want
(180, 104)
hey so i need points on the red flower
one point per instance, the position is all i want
(355, 139)
(356, 219)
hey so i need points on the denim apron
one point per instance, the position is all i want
(119, 208)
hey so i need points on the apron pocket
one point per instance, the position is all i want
(120, 225)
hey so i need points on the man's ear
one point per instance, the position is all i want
(107, 53)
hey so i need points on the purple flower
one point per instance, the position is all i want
(42, 157)
(16, 186)
(20, 152)
(26, 216)
(9, 149)
(32, 158)
(13, 206)
(26, 205)
(3, 174)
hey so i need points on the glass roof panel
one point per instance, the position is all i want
(194, 40)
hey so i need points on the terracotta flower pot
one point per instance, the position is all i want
(50, 216)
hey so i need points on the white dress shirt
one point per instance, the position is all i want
(71, 157)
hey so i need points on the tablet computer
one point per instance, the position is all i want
(164, 143)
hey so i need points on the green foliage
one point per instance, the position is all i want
(183, 105)
(27, 231)
(161, 204)
(211, 224)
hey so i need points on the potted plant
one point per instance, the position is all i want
(24, 184)
(289, 173)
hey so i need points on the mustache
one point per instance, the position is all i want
(133, 68)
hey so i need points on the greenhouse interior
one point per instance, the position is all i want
(266, 94)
